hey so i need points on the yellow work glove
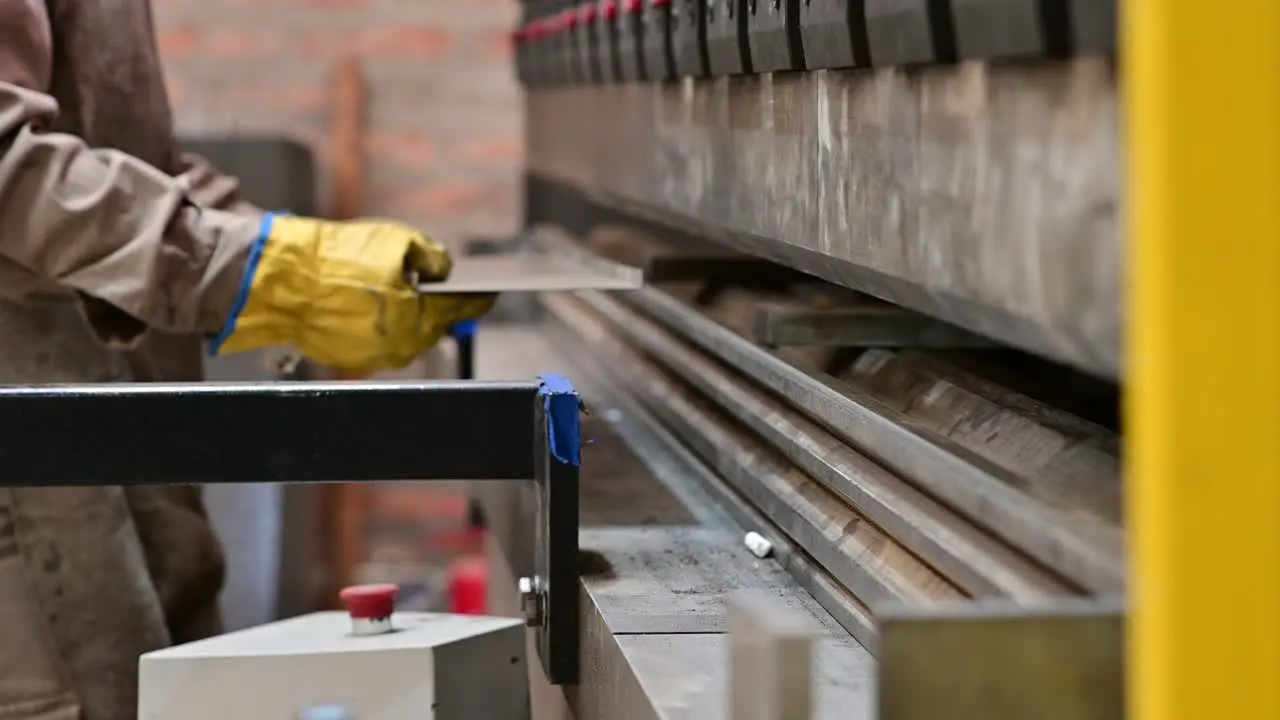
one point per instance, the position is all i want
(340, 293)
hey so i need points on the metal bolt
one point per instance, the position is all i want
(531, 599)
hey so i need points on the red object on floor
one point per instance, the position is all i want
(468, 586)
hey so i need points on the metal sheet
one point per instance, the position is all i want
(976, 661)
(535, 270)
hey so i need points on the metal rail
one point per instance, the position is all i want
(1094, 561)
(973, 560)
(143, 434)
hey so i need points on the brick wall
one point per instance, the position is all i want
(442, 151)
(444, 137)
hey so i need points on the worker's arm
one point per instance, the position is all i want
(132, 244)
(121, 234)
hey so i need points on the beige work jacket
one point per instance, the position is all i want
(108, 237)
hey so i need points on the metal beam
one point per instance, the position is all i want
(1203, 127)
(143, 434)
(998, 661)
(162, 433)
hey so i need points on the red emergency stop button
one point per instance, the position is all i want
(370, 607)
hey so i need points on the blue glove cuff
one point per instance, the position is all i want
(246, 281)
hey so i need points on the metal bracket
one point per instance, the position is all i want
(631, 30)
(910, 32)
(160, 434)
(773, 35)
(834, 34)
(586, 41)
(689, 38)
(987, 29)
(659, 56)
(610, 60)
(727, 37)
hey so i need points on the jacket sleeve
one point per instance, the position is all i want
(209, 187)
(126, 238)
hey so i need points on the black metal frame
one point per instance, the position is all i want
(159, 434)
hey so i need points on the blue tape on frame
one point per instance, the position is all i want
(562, 404)
(463, 329)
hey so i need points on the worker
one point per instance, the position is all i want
(118, 257)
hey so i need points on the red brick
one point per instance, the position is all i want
(408, 149)
(177, 40)
(501, 149)
(411, 502)
(407, 42)
(239, 43)
(302, 98)
(499, 45)
(432, 201)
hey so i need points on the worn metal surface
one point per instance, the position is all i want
(861, 556)
(976, 661)
(867, 326)
(682, 673)
(965, 555)
(660, 674)
(705, 492)
(1091, 557)
(1060, 460)
(985, 195)
(659, 56)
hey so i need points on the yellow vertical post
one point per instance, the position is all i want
(1201, 84)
